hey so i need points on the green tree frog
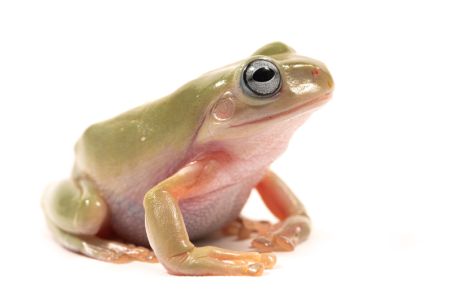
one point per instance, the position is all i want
(147, 183)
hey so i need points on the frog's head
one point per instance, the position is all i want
(275, 86)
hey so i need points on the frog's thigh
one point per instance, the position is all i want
(75, 207)
(75, 213)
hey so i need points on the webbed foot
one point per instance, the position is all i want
(243, 228)
(283, 236)
(217, 261)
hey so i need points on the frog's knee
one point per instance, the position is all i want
(75, 207)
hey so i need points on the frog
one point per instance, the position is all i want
(149, 182)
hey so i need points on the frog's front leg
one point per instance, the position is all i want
(294, 226)
(75, 213)
(169, 238)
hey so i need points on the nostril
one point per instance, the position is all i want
(315, 72)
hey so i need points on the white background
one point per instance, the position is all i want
(373, 166)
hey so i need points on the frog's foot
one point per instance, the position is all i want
(102, 249)
(213, 261)
(284, 236)
(243, 228)
(116, 252)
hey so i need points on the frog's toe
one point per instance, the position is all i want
(272, 244)
(142, 254)
(115, 252)
(268, 260)
(217, 261)
(243, 228)
(101, 249)
(133, 252)
(104, 254)
(284, 236)
(214, 267)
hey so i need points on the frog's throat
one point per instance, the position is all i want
(306, 107)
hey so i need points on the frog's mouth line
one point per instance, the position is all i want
(315, 102)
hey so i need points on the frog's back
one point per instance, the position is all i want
(156, 130)
(129, 154)
(121, 152)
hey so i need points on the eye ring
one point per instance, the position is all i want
(261, 78)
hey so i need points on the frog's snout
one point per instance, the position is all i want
(308, 77)
(322, 76)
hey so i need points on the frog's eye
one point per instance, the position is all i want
(261, 78)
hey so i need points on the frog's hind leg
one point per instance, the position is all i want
(75, 214)
(101, 249)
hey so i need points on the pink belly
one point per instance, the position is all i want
(209, 213)
(202, 214)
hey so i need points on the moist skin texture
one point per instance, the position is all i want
(181, 167)
(219, 203)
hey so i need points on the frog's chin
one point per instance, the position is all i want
(306, 108)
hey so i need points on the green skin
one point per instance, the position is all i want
(189, 145)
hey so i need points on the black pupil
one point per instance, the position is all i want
(263, 74)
